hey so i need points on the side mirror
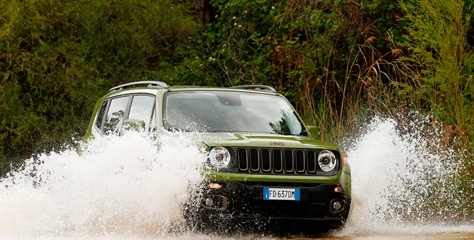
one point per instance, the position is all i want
(314, 132)
(134, 125)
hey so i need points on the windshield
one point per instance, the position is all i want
(217, 111)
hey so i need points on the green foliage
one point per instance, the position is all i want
(469, 19)
(59, 56)
(385, 16)
(439, 82)
(436, 39)
(240, 50)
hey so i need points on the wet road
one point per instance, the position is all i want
(439, 236)
(414, 236)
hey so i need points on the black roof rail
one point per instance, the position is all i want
(257, 87)
(150, 84)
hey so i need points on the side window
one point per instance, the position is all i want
(115, 115)
(100, 115)
(141, 110)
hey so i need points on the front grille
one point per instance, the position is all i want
(278, 161)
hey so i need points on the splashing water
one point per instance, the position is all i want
(403, 181)
(119, 185)
(132, 187)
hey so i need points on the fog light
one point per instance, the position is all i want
(209, 202)
(215, 202)
(336, 205)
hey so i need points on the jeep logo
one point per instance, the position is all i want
(277, 143)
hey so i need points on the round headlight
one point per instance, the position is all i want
(327, 160)
(219, 157)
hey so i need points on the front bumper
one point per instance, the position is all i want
(242, 201)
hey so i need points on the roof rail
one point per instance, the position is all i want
(257, 87)
(150, 84)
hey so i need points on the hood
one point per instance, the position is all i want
(264, 140)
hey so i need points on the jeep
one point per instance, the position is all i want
(263, 164)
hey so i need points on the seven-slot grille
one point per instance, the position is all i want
(278, 161)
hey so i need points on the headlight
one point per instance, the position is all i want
(327, 160)
(219, 157)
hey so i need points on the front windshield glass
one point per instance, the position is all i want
(218, 111)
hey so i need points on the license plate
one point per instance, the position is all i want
(291, 194)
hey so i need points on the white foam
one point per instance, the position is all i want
(119, 185)
(399, 185)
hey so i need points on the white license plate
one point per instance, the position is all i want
(292, 194)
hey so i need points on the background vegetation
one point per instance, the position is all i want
(339, 62)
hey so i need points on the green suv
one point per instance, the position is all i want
(263, 164)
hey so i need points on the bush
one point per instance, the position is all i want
(68, 54)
